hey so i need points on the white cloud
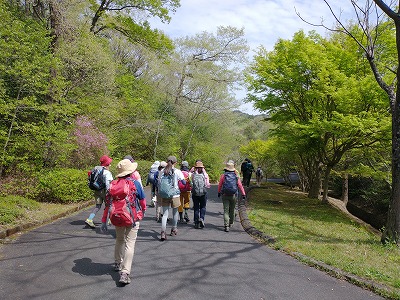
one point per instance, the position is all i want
(264, 21)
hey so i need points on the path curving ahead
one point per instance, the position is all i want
(67, 260)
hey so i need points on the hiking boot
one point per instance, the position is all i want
(174, 231)
(124, 278)
(163, 236)
(181, 221)
(226, 229)
(117, 267)
(90, 223)
(201, 221)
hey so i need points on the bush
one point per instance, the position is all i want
(14, 207)
(64, 186)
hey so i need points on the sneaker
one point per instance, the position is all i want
(226, 229)
(186, 217)
(163, 236)
(201, 223)
(196, 225)
(117, 267)
(90, 223)
(174, 232)
(124, 278)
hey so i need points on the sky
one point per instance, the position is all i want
(264, 21)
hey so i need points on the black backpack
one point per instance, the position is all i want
(96, 180)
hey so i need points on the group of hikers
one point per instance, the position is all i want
(171, 190)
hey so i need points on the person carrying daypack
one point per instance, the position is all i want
(228, 187)
(125, 207)
(168, 191)
(161, 167)
(200, 183)
(150, 180)
(185, 193)
(99, 179)
(246, 169)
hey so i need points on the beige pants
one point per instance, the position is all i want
(125, 246)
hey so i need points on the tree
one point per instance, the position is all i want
(387, 74)
(320, 104)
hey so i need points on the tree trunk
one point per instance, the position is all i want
(315, 182)
(345, 189)
(325, 186)
(392, 230)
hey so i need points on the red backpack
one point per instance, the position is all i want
(124, 209)
(187, 187)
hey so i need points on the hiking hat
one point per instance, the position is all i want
(155, 165)
(129, 157)
(185, 164)
(126, 167)
(163, 164)
(172, 159)
(199, 164)
(105, 161)
(230, 166)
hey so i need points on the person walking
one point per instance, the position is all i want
(161, 167)
(126, 234)
(259, 175)
(200, 183)
(228, 187)
(169, 192)
(185, 194)
(100, 195)
(150, 180)
(246, 170)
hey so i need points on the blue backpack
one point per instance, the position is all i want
(230, 186)
(166, 187)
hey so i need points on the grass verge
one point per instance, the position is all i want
(313, 231)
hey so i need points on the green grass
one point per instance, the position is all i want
(321, 232)
(17, 210)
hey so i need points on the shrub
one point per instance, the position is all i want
(14, 207)
(64, 186)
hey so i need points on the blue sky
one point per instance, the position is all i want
(264, 21)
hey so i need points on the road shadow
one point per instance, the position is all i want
(86, 267)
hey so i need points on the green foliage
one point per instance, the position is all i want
(63, 185)
(13, 207)
(322, 105)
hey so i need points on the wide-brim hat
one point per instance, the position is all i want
(105, 161)
(126, 167)
(199, 164)
(230, 166)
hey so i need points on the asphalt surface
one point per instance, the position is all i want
(68, 260)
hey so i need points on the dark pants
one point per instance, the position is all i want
(199, 207)
(246, 179)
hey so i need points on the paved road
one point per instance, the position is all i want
(67, 260)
